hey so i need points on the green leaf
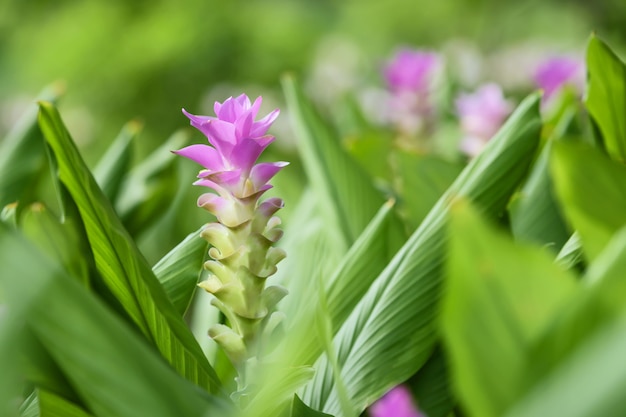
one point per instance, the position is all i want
(149, 188)
(11, 336)
(367, 257)
(179, 270)
(500, 297)
(41, 370)
(392, 330)
(372, 149)
(585, 343)
(22, 155)
(422, 181)
(347, 197)
(113, 369)
(51, 405)
(58, 240)
(432, 386)
(114, 164)
(300, 409)
(606, 96)
(121, 265)
(535, 216)
(571, 254)
(30, 406)
(592, 193)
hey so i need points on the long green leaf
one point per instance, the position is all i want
(367, 257)
(347, 197)
(535, 215)
(114, 164)
(51, 405)
(432, 386)
(149, 188)
(121, 265)
(606, 96)
(592, 193)
(22, 155)
(392, 330)
(113, 369)
(422, 181)
(500, 297)
(59, 240)
(179, 270)
(344, 288)
(300, 409)
(586, 343)
(11, 335)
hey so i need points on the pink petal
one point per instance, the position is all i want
(270, 206)
(243, 125)
(226, 179)
(223, 137)
(247, 151)
(204, 155)
(256, 106)
(262, 173)
(244, 101)
(260, 127)
(208, 183)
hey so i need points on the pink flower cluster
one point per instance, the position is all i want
(237, 140)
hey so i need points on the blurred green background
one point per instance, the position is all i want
(146, 59)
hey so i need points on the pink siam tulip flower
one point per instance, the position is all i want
(409, 76)
(411, 70)
(242, 241)
(556, 72)
(396, 403)
(481, 114)
(237, 140)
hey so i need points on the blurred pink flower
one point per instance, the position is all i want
(396, 403)
(481, 114)
(411, 70)
(554, 73)
(409, 76)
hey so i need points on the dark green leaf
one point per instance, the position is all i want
(347, 197)
(500, 297)
(535, 215)
(300, 409)
(121, 265)
(606, 96)
(422, 180)
(592, 193)
(58, 240)
(179, 270)
(51, 405)
(113, 369)
(392, 330)
(115, 163)
(585, 343)
(432, 386)
(150, 187)
(22, 155)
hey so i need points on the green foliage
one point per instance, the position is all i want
(584, 177)
(472, 315)
(94, 349)
(606, 98)
(121, 265)
(499, 298)
(384, 331)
